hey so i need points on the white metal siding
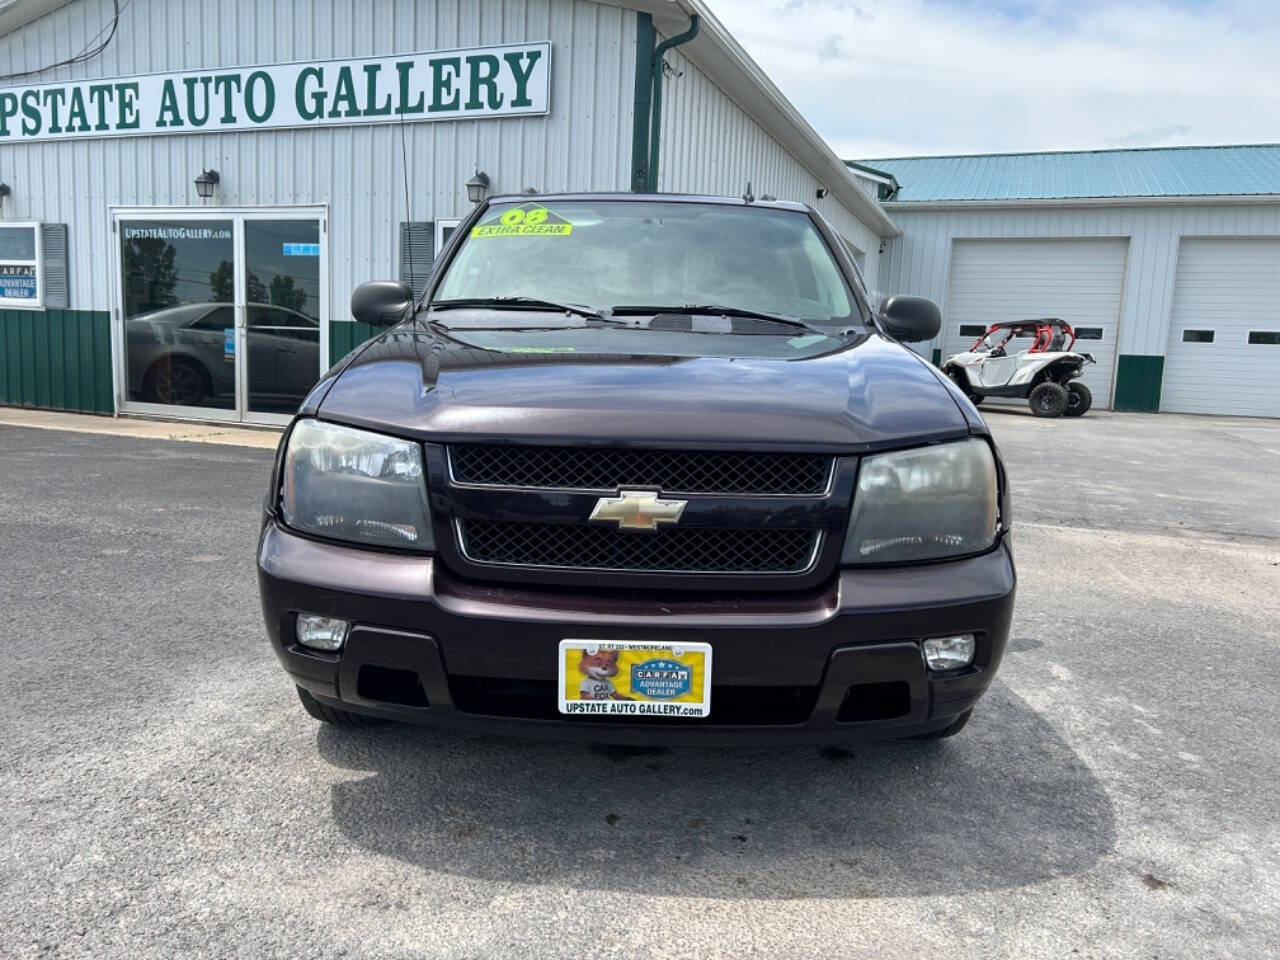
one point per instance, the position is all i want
(585, 143)
(918, 261)
(1079, 281)
(709, 144)
(1229, 287)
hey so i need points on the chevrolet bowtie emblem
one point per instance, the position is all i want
(638, 510)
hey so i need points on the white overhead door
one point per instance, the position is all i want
(1080, 281)
(1224, 329)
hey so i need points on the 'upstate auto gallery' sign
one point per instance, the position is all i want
(443, 85)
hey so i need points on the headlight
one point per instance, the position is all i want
(354, 485)
(924, 504)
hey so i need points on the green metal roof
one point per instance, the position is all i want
(1149, 172)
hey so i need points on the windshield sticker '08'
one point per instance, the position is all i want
(529, 220)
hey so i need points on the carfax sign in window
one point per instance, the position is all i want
(20, 281)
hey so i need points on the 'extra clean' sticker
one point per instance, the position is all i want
(527, 220)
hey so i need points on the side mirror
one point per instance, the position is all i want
(910, 319)
(381, 303)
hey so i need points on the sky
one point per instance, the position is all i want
(895, 78)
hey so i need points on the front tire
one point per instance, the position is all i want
(327, 714)
(1079, 399)
(177, 381)
(1048, 399)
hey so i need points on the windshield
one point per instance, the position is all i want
(1010, 339)
(611, 253)
(993, 339)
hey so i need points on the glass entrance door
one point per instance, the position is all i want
(282, 313)
(178, 305)
(221, 315)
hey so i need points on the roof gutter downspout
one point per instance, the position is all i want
(644, 96)
(655, 126)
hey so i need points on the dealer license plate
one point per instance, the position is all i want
(635, 678)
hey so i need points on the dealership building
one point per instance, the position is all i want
(189, 192)
(192, 191)
(1165, 261)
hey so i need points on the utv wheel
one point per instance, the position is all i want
(327, 714)
(956, 726)
(1079, 399)
(1049, 399)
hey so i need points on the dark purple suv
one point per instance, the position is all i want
(641, 469)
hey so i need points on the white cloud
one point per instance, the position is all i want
(1147, 138)
(916, 77)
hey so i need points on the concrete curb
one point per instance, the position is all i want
(230, 435)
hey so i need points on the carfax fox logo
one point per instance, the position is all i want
(661, 679)
(526, 220)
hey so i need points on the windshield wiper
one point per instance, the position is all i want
(716, 310)
(522, 303)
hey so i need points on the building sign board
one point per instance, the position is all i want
(511, 80)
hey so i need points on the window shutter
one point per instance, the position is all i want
(57, 283)
(417, 253)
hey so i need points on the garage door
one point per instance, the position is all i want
(1224, 330)
(1078, 280)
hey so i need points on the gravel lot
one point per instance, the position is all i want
(162, 794)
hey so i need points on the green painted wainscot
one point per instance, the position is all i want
(346, 335)
(1138, 383)
(61, 359)
(56, 360)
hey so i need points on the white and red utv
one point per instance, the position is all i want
(1045, 374)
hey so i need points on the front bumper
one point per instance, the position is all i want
(841, 663)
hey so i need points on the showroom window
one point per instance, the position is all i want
(21, 279)
(1197, 336)
(444, 230)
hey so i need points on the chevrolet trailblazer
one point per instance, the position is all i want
(640, 469)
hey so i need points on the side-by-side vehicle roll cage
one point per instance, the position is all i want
(1051, 335)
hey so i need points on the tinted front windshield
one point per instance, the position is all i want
(604, 253)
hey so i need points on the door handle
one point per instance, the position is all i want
(285, 350)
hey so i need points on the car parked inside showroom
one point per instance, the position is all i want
(185, 354)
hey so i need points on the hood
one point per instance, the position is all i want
(865, 392)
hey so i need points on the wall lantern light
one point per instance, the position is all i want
(477, 187)
(4, 193)
(206, 183)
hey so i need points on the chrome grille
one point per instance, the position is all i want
(672, 471)
(678, 550)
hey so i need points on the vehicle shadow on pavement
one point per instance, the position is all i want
(1007, 803)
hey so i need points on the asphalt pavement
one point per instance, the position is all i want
(162, 793)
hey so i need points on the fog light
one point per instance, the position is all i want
(949, 653)
(321, 633)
